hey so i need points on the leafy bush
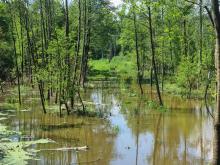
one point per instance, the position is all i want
(188, 73)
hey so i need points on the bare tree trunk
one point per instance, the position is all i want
(217, 115)
(41, 89)
(216, 18)
(153, 57)
(201, 29)
(163, 52)
(69, 92)
(185, 38)
(87, 25)
(139, 74)
(77, 65)
(17, 71)
(83, 59)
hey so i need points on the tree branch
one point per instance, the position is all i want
(207, 10)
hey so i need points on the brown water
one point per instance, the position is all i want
(181, 135)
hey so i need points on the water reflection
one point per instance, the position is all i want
(182, 135)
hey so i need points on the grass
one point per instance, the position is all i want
(199, 93)
(8, 106)
(120, 66)
(100, 65)
(124, 68)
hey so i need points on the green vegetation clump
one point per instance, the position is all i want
(121, 66)
(17, 152)
(115, 130)
(187, 76)
(8, 106)
(12, 152)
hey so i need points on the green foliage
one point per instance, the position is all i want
(8, 105)
(188, 74)
(155, 106)
(122, 66)
(100, 65)
(6, 53)
(115, 129)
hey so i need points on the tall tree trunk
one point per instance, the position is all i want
(69, 93)
(163, 52)
(22, 51)
(31, 53)
(185, 38)
(139, 74)
(217, 115)
(201, 30)
(77, 65)
(17, 71)
(153, 56)
(85, 31)
(216, 18)
(15, 55)
(78, 41)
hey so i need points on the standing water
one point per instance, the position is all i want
(131, 131)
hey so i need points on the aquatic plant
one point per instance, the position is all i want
(12, 152)
(17, 152)
(115, 129)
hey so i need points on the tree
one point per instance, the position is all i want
(216, 18)
(139, 74)
(6, 46)
(153, 56)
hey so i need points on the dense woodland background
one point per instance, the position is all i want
(56, 44)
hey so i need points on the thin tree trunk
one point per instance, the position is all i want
(69, 92)
(207, 86)
(185, 38)
(162, 81)
(87, 40)
(16, 58)
(153, 57)
(139, 75)
(76, 64)
(201, 30)
(17, 71)
(41, 89)
(83, 60)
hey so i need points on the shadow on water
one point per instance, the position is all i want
(182, 135)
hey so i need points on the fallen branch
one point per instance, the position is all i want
(84, 148)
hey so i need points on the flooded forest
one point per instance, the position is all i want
(109, 82)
